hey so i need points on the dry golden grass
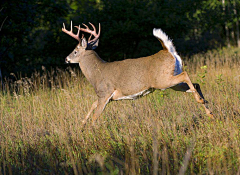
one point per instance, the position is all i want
(166, 132)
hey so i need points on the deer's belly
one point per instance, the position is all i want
(119, 96)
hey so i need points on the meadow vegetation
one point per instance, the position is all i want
(166, 132)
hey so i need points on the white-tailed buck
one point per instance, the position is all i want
(130, 78)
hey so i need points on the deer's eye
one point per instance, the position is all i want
(75, 52)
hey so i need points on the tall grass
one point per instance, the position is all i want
(166, 132)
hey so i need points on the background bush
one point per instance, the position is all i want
(31, 33)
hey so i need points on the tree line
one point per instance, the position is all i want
(31, 36)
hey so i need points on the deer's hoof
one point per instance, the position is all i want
(83, 122)
(201, 100)
(210, 115)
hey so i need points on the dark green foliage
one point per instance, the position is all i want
(31, 36)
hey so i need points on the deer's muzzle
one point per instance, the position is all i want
(67, 60)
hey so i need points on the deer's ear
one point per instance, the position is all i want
(84, 43)
(92, 45)
(95, 44)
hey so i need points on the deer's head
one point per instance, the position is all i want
(83, 44)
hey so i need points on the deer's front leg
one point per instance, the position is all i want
(98, 106)
(94, 105)
(102, 102)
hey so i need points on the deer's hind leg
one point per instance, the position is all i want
(183, 83)
(184, 78)
(208, 112)
(185, 88)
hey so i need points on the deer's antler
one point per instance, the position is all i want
(92, 32)
(75, 36)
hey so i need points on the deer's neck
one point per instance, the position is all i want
(91, 64)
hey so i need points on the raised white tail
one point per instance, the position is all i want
(167, 44)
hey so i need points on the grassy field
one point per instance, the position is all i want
(166, 132)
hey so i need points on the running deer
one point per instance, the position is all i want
(130, 78)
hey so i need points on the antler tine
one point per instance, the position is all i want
(89, 39)
(99, 29)
(95, 34)
(92, 32)
(75, 36)
(78, 30)
(94, 29)
(87, 28)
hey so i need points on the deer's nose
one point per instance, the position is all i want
(67, 60)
